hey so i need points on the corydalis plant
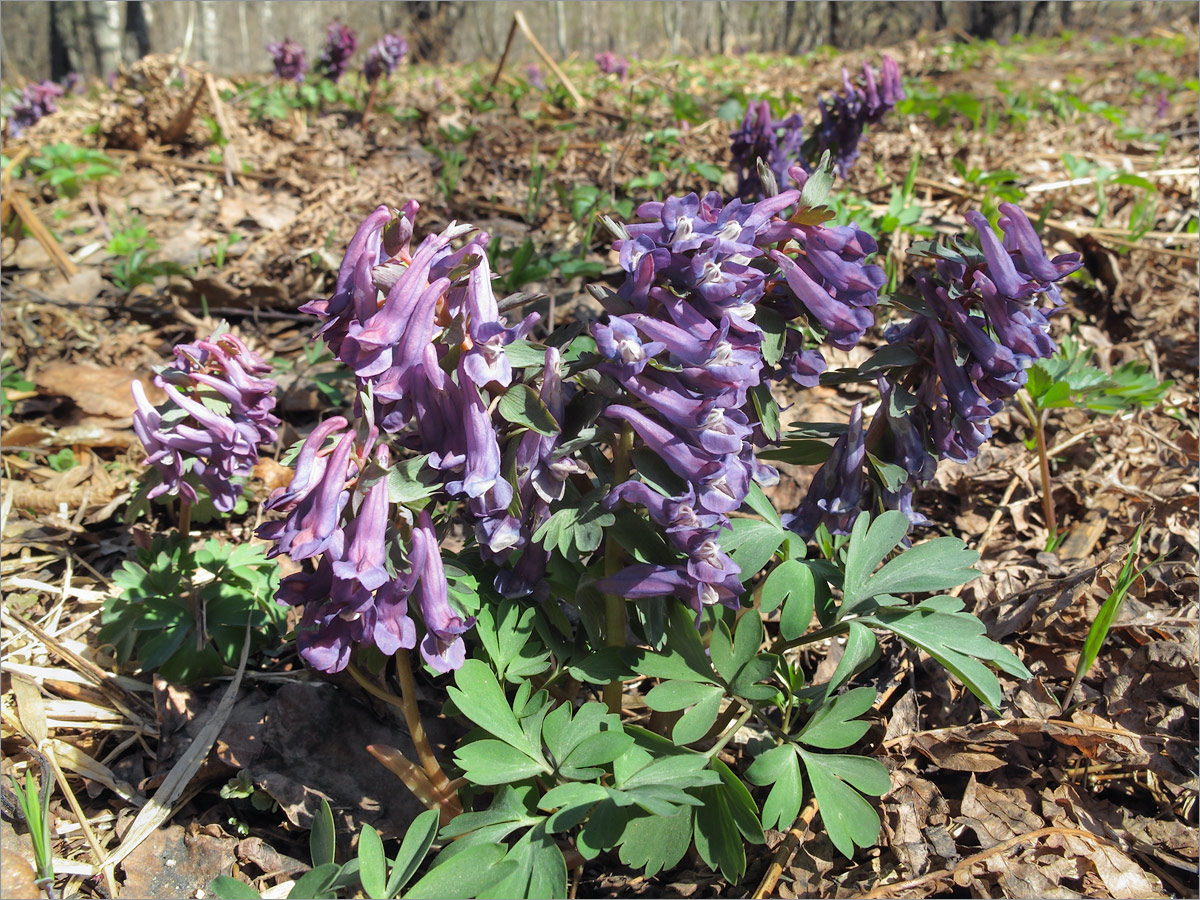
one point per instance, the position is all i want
(684, 343)
(217, 413)
(288, 59)
(421, 330)
(384, 56)
(980, 319)
(780, 145)
(340, 44)
(37, 101)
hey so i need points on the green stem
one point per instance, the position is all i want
(1037, 420)
(728, 735)
(614, 606)
(185, 518)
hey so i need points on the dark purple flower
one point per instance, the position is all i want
(777, 144)
(218, 411)
(442, 647)
(835, 495)
(384, 56)
(37, 101)
(844, 116)
(288, 58)
(340, 44)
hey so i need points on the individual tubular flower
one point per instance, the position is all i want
(288, 58)
(384, 56)
(218, 411)
(340, 44)
(844, 116)
(611, 64)
(777, 144)
(37, 101)
(835, 496)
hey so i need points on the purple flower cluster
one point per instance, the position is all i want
(218, 411)
(844, 117)
(777, 144)
(341, 518)
(682, 343)
(420, 328)
(340, 44)
(983, 320)
(611, 64)
(384, 56)
(37, 100)
(288, 58)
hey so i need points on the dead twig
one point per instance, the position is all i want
(795, 836)
(890, 889)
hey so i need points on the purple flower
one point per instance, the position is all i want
(384, 56)
(218, 411)
(442, 647)
(288, 58)
(37, 101)
(340, 44)
(611, 64)
(535, 77)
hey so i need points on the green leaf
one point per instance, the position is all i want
(539, 870)
(767, 409)
(793, 584)
(861, 649)
(478, 696)
(316, 883)
(957, 640)
(495, 762)
(741, 804)
(322, 840)
(231, 889)
(758, 502)
(849, 819)
(836, 724)
(654, 843)
(372, 864)
(870, 542)
(716, 834)
(522, 406)
(404, 483)
(673, 695)
(751, 544)
(819, 183)
(464, 875)
(525, 354)
(780, 768)
(417, 841)
(774, 330)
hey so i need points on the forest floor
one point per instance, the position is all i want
(234, 200)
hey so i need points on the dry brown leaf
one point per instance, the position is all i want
(99, 390)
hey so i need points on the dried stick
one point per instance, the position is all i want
(229, 152)
(887, 890)
(519, 21)
(24, 211)
(787, 847)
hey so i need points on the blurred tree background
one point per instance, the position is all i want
(48, 40)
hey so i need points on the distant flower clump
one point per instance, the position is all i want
(37, 100)
(288, 57)
(611, 64)
(535, 77)
(340, 44)
(844, 116)
(218, 410)
(776, 143)
(384, 56)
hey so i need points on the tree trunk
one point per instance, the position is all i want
(65, 55)
(137, 31)
(560, 28)
(104, 16)
(833, 36)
